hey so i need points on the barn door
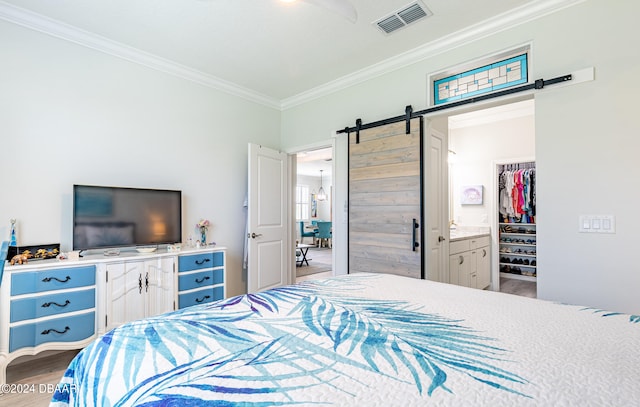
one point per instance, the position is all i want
(385, 200)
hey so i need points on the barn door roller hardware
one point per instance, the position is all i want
(409, 114)
(357, 129)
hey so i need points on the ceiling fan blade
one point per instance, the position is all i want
(342, 7)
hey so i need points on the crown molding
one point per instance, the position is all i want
(501, 22)
(76, 35)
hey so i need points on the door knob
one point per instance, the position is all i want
(441, 239)
(254, 235)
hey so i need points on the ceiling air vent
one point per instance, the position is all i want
(401, 18)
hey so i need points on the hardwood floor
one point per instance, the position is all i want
(34, 381)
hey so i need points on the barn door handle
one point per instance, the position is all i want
(414, 244)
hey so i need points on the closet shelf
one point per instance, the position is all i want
(517, 265)
(518, 254)
(517, 244)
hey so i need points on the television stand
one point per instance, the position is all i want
(111, 252)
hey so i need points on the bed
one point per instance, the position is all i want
(364, 339)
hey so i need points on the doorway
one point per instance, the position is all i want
(313, 215)
(478, 141)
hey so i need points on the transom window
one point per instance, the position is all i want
(485, 76)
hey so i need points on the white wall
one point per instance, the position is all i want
(586, 141)
(69, 114)
(477, 148)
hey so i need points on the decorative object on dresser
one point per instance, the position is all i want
(14, 239)
(203, 226)
(34, 252)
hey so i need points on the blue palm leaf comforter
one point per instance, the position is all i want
(363, 340)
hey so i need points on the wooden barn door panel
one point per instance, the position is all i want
(384, 199)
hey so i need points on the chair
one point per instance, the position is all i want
(324, 233)
(4, 247)
(304, 234)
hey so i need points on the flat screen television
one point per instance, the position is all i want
(108, 217)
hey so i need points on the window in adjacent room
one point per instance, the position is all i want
(302, 202)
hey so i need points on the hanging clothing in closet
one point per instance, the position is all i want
(517, 193)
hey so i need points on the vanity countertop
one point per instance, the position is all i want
(461, 234)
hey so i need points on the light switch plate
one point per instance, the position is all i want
(597, 224)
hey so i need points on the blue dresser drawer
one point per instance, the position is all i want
(52, 279)
(200, 261)
(43, 306)
(68, 329)
(200, 297)
(201, 279)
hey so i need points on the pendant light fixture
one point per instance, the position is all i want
(321, 194)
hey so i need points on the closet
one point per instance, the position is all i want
(517, 220)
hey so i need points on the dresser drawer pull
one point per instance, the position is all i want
(48, 331)
(48, 279)
(202, 280)
(48, 304)
(201, 262)
(206, 297)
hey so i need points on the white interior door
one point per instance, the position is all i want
(436, 206)
(270, 257)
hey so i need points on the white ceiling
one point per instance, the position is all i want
(311, 162)
(266, 49)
